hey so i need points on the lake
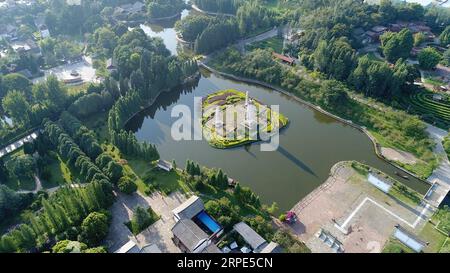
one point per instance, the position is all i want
(311, 144)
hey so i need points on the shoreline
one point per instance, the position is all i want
(153, 20)
(150, 103)
(362, 129)
(194, 7)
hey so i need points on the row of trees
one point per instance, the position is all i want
(72, 154)
(219, 6)
(378, 79)
(152, 73)
(65, 215)
(128, 144)
(211, 33)
(84, 137)
(216, 36)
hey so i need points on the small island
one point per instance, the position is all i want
(227, 129)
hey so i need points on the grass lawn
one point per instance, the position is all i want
(76, 89)
(60, 174)
(166, 182)
(405, 194)
(274, 43)
(22, 184)
(434, 81)
(446, 247)
(147, 177)
(98, 123)
(395, 246)
(435, 238)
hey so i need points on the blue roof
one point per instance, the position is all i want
(382, 185)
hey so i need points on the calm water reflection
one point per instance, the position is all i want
(309, 146)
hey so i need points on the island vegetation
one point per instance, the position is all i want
(233, 133)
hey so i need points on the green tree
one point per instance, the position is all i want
(428, 58)
(15, 81)
(419, 38)
(17, 107)
(94, 228)
(141, 219)
(397, 45)
(105, 40)
(126, 185)
(445, 36)
(22, 166)
(67, 246)
(446, 57)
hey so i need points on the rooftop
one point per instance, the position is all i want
(189, 234)
(283, 57)
(250, 236)
(190, 208)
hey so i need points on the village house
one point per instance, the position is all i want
(257, 243)
(283, 58)
(195, 231)
(164, 165)
(132, 247)
(27, 46)
(8, 32)
(129, 9)
(373, 35)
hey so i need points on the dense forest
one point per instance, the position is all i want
(209, 33)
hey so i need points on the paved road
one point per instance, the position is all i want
(263, 36)
(440, 178)
(442, 172)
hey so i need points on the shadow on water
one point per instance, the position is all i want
(164, 101)
(296, 161)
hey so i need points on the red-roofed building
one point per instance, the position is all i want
(286, 59)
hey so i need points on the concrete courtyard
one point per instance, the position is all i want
(360, 216)
(159, 233)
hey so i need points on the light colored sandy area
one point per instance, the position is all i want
(397, 155)
(347, 203)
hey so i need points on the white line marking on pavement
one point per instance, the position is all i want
(367, 199)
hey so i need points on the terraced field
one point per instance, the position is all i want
(423, 104)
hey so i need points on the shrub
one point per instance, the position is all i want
(126, 185)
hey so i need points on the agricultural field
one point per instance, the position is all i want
(435, 110)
